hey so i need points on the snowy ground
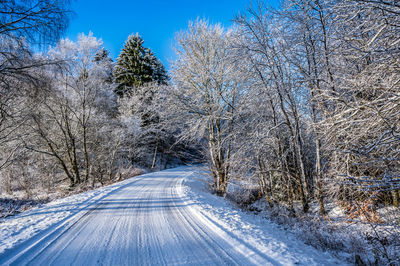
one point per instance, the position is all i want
(269, 238)
(165, 218)
(348, 237)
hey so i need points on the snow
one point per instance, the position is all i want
(344, 236)
(167, 217)
(17, 229)
(267, 237)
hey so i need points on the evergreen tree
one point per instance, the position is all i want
(104, 61)
(102, 55)
(136, 66)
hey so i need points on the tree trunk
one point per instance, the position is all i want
(395, 198)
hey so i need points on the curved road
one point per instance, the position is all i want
(147, 221)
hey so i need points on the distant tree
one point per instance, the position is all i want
(102, 57)
(136, 66)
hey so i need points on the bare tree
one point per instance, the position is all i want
(38, 21)
(23, 23)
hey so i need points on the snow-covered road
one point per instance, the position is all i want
(155, 219)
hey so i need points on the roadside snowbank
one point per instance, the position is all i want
(270, 238)
(16, 229)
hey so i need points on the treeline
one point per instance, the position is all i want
(70, 115)
(305, 99)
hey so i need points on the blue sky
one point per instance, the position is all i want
(156, 21)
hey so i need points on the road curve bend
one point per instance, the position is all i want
(147, 221)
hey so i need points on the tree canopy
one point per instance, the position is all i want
(136, 66)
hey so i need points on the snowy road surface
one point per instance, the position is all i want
(162, 218)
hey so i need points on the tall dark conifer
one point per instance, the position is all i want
(136, 66)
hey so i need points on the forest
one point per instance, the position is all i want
(297, 105)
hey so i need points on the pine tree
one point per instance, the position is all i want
(136, 66)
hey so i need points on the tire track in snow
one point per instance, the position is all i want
(145, 222)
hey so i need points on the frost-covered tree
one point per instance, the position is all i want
(328, 122)
(74, 123)
(152, 141)
(310, 46)
(22, 24)
(139, 75)
(208, 86)
(362, 120)
(37, 21)
(277, 145)
(137, 65)
(103, 58)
